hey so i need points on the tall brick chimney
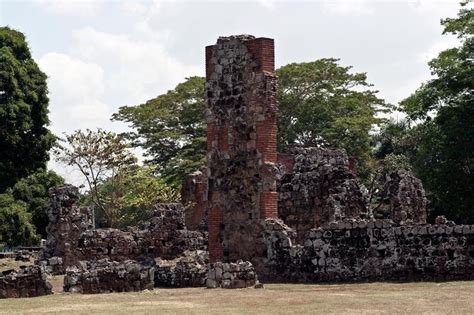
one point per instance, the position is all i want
(241, 142)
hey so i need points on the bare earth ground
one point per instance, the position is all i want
(366, 298)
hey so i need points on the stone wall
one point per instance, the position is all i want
(71, 238)
(361, 250)
(316, 186)
(66, 223)
(104, 276)
(189, 270)
(241, 139)
(240, 274)
(28, 281)
(402, 198)
(194, 198)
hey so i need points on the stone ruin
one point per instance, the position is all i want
(304, 215)
(28, 281)
(104, 276)
(301, 216)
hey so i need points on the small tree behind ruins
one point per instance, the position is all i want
(121, 191)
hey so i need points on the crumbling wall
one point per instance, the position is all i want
(240, 274)
(104, 276)
(194, 198)
(71, 238)
(402, 198)
(28, 281)
(361, 250)
(66, 223)
(317, 187)
(241, 139)
(188, 270)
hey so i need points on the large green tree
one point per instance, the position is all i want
(171, 128)
(443, 110)
(24, 137)
(33, 191)
(325, 104)
(321, 104)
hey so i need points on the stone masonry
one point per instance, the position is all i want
(241, 140)
(28, 281)
(71, 238)
(317, 187)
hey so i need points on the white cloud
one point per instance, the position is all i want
(76, 91)
(348, 7)
(136, 69)
(81, 8)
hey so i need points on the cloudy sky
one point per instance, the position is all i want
(100, 55)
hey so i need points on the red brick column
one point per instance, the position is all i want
(214, 223)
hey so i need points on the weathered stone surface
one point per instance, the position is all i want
(194, 198)
(189, 270)
(379, 251)
(28, 281)
(240, 274)
(104, 276)
(241, 118)
(66, 223)
(316, 188)
(403, 198)
(71, 238)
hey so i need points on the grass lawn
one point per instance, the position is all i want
(366, 298)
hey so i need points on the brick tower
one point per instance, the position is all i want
(241, 143)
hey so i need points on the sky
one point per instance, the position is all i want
(100, 55)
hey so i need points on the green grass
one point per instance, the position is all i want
(367, 298)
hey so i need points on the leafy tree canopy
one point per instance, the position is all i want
(444, 112)
(24, 137)
(171, 128)
(33, 191)
(321, 104)
(324, 104)
(15, 222)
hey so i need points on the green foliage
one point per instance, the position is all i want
(171, 128)
(323, 104)
(15, 222)
(24, 138)
(100, 156)
(33, 192)
(443, 108)
(131, 195)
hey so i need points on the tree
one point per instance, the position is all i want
(33, 192)
(99, 155)
(324, 104)
(444, 112)
(15, 222)
(122, 192)
(171, 128)
(24, 137)
(133, 194)
(320, 104)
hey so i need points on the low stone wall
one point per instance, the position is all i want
(27, 281)
(71, 238)
(105, 276)
(190, 270)
(370, 250)
(240, 274)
